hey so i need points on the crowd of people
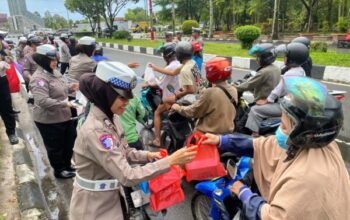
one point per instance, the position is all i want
(299, 171)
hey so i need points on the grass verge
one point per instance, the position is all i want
(330, 58)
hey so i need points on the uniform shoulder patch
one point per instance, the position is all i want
(107, 141)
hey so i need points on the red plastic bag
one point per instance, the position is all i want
(166, 189)
(13, 79)
(206, 164)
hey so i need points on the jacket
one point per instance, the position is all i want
(65, 54)
(214, 110)
(314, 185)
(50, 93)
(133, 112)
(263, 82)
(97, 160)
(29, 66)
(81, 64)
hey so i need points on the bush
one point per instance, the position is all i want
(122, 34)
(325, 27)
(342, 25)
(187, 26)
(319, 46)
(247, 35)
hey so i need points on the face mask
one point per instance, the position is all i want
(281, 138)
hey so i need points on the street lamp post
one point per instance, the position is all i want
(151, 19)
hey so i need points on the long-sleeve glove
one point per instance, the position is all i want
(239, 144)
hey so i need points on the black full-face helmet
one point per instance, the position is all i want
(317, 116)
(296, 53)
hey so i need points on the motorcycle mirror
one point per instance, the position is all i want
(170, 88)
(231, 168)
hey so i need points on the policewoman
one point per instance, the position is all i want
(82, 63)
(103, 158)
(51, 110)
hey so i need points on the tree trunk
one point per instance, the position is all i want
(330, 13)
(211, 12)
(274, 34)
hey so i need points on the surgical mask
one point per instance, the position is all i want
(281, 138)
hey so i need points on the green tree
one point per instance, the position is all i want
(136, 14)
(91, 9)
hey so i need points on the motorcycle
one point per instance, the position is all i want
(214, 200)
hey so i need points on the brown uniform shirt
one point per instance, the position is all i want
(50, 92)
(20, 55)
(96, 161)
(29, 66)
(81, 64)
(314, 185)
(214, 110)
(65, 54)
(263, 82)
(27, 49)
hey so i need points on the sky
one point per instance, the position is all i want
(57, 7)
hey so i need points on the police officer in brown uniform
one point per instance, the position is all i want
(19, 50)
(30, 66)
(51, 111)
(65, 55)
(102, 157)
(82, 63)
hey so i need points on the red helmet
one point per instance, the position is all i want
(218, 68)
(196, 46)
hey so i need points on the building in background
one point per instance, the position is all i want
(21, 19)
(3, 21)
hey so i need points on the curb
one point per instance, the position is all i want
(327, 73)
(31, 203)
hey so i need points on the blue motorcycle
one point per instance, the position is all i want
(214, 200)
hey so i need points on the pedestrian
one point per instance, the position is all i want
(178, 36)
(65, 55)
(82, 62)
(195, 37)
(51, 112)
(169, 37)
(6, 111)
(102, 156)
(72, 46)
(28, 49)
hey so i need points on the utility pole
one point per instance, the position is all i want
(173, 12)
(210, 18)
(151, 19)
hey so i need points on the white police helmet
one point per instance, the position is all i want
(23, 40)
(119, 76)
(65, 36)
(87, 41)
(47, 50)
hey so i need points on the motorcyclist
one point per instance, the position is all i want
(178, 37)
(299, 172)
(307, 66)
(295, 54)
(267, 76)
(215, 103)
(19, 50)
(169, 37)
(197, 38)
(169, 56)
(72, 46)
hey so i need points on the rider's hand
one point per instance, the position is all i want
(261, 102)
(182, 156)
(211, 139)
(151, 156)
(176, 107)
(133, 65)
(236, 187)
